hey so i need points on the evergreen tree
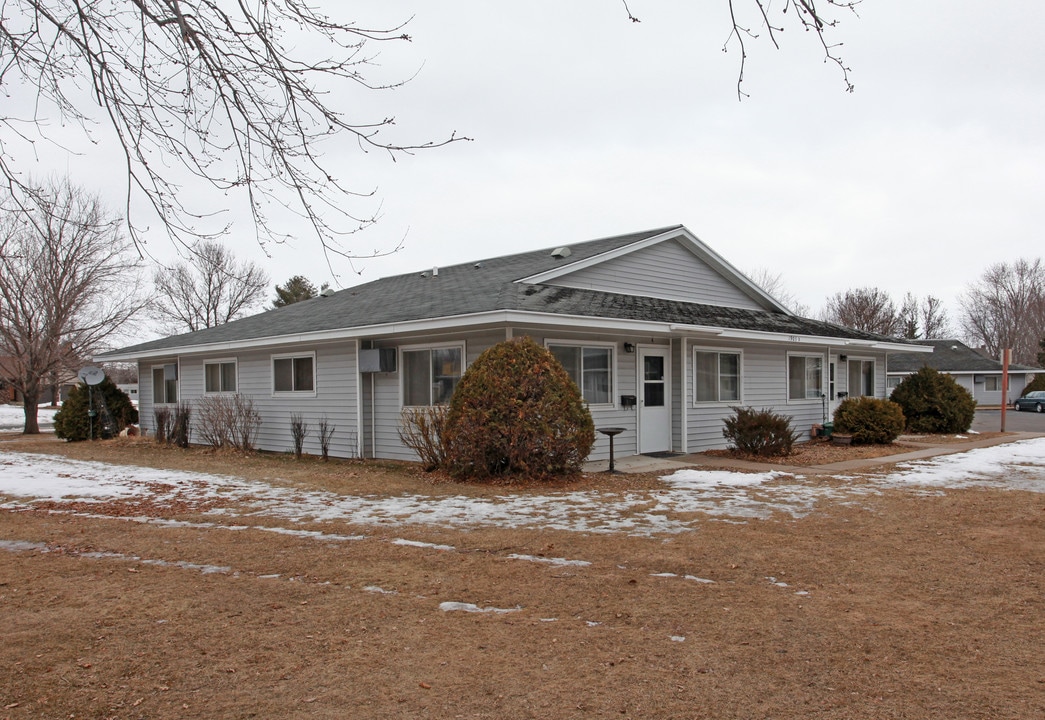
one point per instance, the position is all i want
(294, 290)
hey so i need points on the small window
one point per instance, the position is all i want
(295, 374)
(165, 385)
(219, 376)
(717, 376)
(430, 375)
(861, 378)
(805, 377)
(992, 383)
(590, 367)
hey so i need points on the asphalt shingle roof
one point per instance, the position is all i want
(490, 285)
(949, 356)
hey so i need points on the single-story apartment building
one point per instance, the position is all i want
(977, 373)
(661, 334)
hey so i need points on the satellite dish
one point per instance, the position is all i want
(91, 375)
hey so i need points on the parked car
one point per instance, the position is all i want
(1031, 401)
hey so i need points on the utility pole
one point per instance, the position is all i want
(1006, 354)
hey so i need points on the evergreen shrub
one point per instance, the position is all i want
(1037, 384)
(73, 423)
(516, 412)
(759, 432)
(934, 403)
(869, 420)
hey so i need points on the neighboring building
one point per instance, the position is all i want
(980, 375)
(661, 334)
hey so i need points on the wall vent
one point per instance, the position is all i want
(561, 252)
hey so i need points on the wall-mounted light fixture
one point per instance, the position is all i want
(843, 358)
(629, 347)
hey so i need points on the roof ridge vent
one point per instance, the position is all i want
(327, 292)
(561, 252)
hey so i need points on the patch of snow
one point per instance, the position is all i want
(694, 578)
(379, 591)
(678, 638)
(419, 544)
(12, 417)
(550, 561)
(472, 608)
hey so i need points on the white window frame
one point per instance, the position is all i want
(292, 356)
(874, 375)
(421, 347)
(718, 377)
(787, 376)
(612, 347)
(219, 362)
(997, 381)
(177, 384)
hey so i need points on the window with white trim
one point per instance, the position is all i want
(590, 367)
(992, 383)
(219, 376)
(805, 377)
(716, 376)
(431, 374)
(294, 373)
(861, 378)
(165, 384)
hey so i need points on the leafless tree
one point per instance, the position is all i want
(239, 95)
(934, 319)
(1005, 308)
(866, 309)
(67, 284)
(926, 318)
(773, 283)
(210, 289)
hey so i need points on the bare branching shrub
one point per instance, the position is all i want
(228, 421)
(421, 430)
(325, 431)
(214, 420)
(247, 423)
(298, 431)
(759, 432)
(164, 424)
(179, 434)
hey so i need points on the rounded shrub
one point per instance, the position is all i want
(869, 420)
(759, 432)
(934, 403)
(516, 411)
(74, 423)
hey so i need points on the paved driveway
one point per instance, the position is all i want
(990, 421)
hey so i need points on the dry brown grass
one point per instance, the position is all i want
(918, 606)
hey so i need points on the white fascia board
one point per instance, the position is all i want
(683, 234)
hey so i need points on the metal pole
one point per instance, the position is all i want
(1005, 355)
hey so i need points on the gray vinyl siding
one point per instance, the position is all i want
(764, 385)
(666, 270)
(383, 440)
(678, 382)
(335, 397)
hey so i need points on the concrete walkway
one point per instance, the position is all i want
(919, 451)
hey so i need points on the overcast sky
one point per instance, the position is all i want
(585, 124)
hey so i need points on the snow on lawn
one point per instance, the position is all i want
(12, 417)
(729, 496)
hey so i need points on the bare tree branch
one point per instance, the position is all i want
(1005, 308)
(239, 95)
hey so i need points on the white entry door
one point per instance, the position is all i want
(654, 400)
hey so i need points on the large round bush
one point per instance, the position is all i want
(934, 403)
(869, 420)
(516, 412)
(73, 422)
